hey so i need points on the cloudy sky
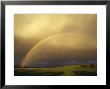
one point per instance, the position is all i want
(54, 39)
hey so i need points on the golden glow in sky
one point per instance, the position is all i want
(39, 36)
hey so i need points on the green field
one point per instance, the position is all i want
(72, 70)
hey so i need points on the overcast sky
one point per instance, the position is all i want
(55, 39)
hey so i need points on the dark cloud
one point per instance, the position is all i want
(32, 29)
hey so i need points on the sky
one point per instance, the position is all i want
(42, 40)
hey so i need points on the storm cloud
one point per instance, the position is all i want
(61, 39)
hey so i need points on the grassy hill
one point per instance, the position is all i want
(71, 70)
